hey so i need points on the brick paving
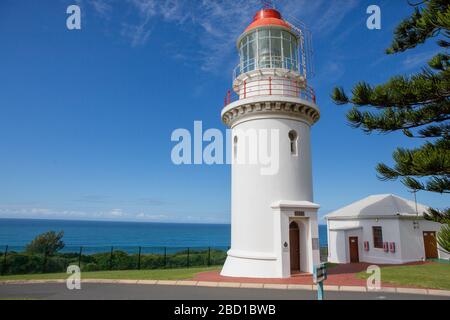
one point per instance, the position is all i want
(340, 275)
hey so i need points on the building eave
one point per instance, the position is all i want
(287, 204)
(400, 217)
(346, 229)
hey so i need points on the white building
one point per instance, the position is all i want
(274, 220)
(383, 229)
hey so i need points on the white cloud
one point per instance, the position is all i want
(138, 35)
(40, 211)
(216, 24)
(151, 217)
(18, 211)
(332, 15)
(116, 213)
(30, 212)
(102, 7)
(420, 59)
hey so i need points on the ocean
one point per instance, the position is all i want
(99, 236)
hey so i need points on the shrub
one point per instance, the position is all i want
(29, 263)
(152, 261)
(47, 243)
(18, 263)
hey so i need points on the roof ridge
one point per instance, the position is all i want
(379, 205)
(394, 201)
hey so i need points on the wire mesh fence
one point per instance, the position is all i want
(16, 260)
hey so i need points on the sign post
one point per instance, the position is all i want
(319, 276)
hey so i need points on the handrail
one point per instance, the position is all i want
(268, 87)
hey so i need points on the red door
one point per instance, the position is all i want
(430, 244)
(294, 244)
(354, 250)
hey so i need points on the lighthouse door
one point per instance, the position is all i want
(294, 242)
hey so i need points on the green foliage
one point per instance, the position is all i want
(443, 217)
(426, 22)
(18, 263)
(438, 215)
(417, 105)
(30, 263)
(443, 237)
(428, 160)
(47, 243)
(152, 261)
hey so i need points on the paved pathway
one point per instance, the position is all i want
(103, 291)
(340, 275)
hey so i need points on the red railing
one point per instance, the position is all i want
(268, 87)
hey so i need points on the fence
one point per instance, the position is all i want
(15, 261)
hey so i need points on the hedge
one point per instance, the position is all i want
(24, 263)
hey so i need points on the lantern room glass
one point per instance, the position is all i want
(268, 48)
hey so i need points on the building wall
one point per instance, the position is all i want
(338, 247)
(408, 241)
(254, 246)
(338, 240)
(412, 239)
(308, 230)
(391, 233)
(253, 193)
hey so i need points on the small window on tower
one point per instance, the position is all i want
(293, 139)
(235, 144)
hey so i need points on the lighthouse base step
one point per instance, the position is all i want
(241, 267)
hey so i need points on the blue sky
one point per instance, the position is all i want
(86, 116)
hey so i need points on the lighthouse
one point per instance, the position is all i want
(274, 228)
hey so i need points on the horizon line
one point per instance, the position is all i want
(122, 221)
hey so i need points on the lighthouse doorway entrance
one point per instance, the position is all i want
(294, 244)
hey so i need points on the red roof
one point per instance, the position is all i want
(267, 17)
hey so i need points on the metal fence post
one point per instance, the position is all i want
(139, 259)
(111, 259)
(4, 261)
(165, 257)
(209, 256)
(79, 257)
(188, 257)
(45, 261)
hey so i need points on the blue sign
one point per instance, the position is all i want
(319, 276)
(320, 273)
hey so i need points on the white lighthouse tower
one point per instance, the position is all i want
(274, 219)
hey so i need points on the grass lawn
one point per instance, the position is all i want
(431, 275)
(331, 265)
(160, 274)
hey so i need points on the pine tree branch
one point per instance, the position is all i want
(431, 161)
(430, 18)
(418, 105)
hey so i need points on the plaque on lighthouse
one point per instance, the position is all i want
(270, 111)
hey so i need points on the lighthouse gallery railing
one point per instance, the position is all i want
(270, 86)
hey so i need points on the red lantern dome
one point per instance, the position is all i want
(267, 17)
